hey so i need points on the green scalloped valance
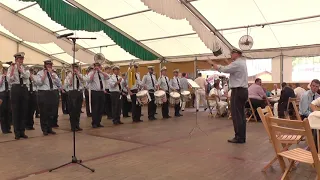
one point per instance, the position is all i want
(77, 19)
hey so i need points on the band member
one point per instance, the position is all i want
(165, 86)
(184, 87)
(175, 84)
(57, 96)
(108, 106)
(124, 93)
(48, 83)
(115, 89)
(149, 81)
(5, 108)
(64, 97)
(75, 86)
(96, 81)
(18, 78)
(134, 82)
(86, 94)
(32, 101)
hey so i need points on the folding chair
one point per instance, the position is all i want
(285, 140)
(297, 128)
(251, 111)
(213, 108)
(293, 101)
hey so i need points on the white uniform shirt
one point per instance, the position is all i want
(147, 81)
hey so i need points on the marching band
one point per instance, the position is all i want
(106, 92)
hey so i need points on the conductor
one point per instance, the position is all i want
(239, 92)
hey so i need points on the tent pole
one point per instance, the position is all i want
(281, 68)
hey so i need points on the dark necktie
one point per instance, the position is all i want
(50, 80)
(313, 97)
(167, 82)
(6, 84)
(78, 82)
(101, 85)
(178, 83)
(152, 80)
(31, 85)
(119, 83)
(20, 78)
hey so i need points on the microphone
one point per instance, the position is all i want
(64, 35)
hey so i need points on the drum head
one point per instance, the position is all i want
(159, 93)
(174, 94)
(142, 93)
(185, 93)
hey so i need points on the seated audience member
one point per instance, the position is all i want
(286, 93)
(257, 96)
(315, 106)
(299, 91)
(276, 91)
(216, 92)
(307, 97)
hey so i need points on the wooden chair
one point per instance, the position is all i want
(294, 128)
(253, 115)
(285, 140)
(212, 108)
(294, 103)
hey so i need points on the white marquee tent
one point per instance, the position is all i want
(177, 30)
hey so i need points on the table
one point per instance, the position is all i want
(314, 121)
(273, 99)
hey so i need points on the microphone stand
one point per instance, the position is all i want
(74, 159)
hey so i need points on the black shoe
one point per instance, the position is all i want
(79, 129)
(9, 131)
(45, 133)
(30, 128)
(138, 121)
(17, 137)
(52, 132)
(100, 125)
(205, 109)
(120, 122)
(55, 126)
(109, 118)
(197, 110)
(23, 136)
(94, 126)
(152, 119)
(126, 116)
(236, 141)
(89, 115)
(37, 116)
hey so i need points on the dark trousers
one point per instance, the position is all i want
(86, 94)
(47, 104)
(56, 107)
(116, 106)
(19, 102)
(239, 96)
(37, 105)
(255, 104)
(32, 105)
(97, 106)
(74, 105)
(108, 104)
(136, 108)
(125, 106)
(64, 103)
(5, 112)
(165, 107)
(152, 107)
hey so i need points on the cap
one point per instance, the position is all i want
(48, 61)
(163, 68)
(19, 55)
(89, 68)
(136, 64)
(9, 63)
(150, 67)
(236, 51)
(115, 67)
(75, 65)
(96, 63)
(107, 66)
(176, 70)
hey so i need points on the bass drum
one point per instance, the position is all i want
(160, 97)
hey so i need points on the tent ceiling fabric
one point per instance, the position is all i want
(166, 36)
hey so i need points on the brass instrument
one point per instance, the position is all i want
(1, 67)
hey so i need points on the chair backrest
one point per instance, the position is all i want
(289, 127)
(294, 101)
(263, 113)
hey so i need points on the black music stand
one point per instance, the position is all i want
(74, 159)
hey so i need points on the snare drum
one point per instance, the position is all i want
(174, 98)
(185, 96)
(129, 98)
(143, 97)
(160, 97)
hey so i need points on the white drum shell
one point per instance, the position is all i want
(160, 97)
(174, 98)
